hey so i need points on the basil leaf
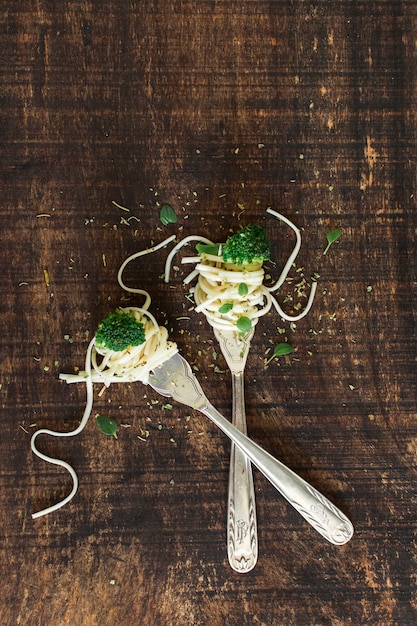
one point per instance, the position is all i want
(282, 348)
(106, 425)
(226, 307)
(243, 289)
(167, 215)
(331, 237)
(244, 324)
(203, 248)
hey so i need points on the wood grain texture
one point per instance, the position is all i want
(221, 108)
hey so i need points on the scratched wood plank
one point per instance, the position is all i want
(221, 109)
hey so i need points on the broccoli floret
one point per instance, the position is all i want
(249, 245)
(119, 330)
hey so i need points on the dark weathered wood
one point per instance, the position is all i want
(221, 109)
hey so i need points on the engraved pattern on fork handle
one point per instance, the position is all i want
(242, 534)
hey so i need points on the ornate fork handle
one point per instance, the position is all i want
(324, 516)
(177, 381)
(242, 531)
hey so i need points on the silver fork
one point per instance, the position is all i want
(174, 379)
(242, 532)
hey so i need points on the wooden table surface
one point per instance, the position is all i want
(220, 109)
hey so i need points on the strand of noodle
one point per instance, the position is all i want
(46, 431)
(229, 276)
(190, 259)
(210, 283)
(295, 318)
(178, 247)
(135, 256)
(293, 254)
(287, 267)
(188, 279)
(205, 304)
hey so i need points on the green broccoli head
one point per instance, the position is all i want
(249, 245)
(119, 330)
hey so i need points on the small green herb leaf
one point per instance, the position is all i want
(243, 289)
(226, 307)
(107, 425)
(167, 215)
(280, 350)
(214, 248)
(331, 237)
(244, 324)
